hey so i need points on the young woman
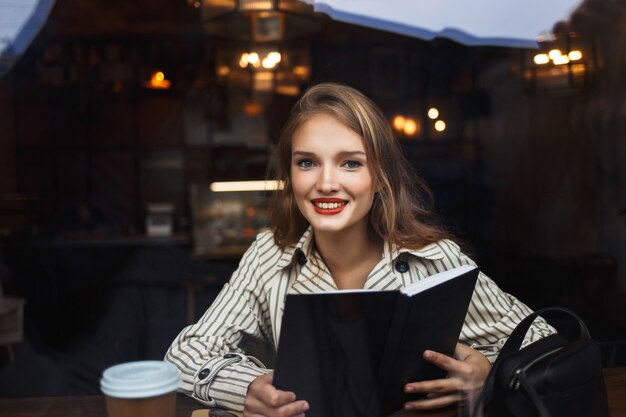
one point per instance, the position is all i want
(351, 215)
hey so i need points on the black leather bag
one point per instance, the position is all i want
(551, 377)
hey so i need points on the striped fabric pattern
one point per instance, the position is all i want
(252, 303)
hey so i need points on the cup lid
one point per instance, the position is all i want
(140, 379)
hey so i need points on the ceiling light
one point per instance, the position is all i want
(236, 186)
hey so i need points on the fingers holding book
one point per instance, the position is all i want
(263, 399)
(467, 370)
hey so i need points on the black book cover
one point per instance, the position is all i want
(350, 353)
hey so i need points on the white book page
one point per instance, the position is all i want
(356, 290)
(434, 280)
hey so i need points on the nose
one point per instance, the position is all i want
(327, 180)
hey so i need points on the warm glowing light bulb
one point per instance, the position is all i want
(253, 58)
(268, 63)
(244, 60)
(561, 60)
(274, 56)
(223, 70)
(440, 125)
(271, 60)
(301, 71)
(410, 127)
(541, 59)
(575, 55)
(433, 113)
(398, 122)
(158, 81)
(554, 54)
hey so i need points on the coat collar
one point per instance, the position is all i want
(433, 251)
(303, 245)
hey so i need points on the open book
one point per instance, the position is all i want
(350, 353)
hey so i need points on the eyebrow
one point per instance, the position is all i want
(341, 154)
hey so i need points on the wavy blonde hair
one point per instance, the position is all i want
(402, 210)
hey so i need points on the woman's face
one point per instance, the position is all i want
(330, 176)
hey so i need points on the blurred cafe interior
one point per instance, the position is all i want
(127, 127)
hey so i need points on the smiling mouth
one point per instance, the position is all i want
(335, 206)
(329, 206)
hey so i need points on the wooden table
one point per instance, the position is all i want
(615, 380)
(75, 406)
(94, 406)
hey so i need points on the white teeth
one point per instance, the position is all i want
(328, 206)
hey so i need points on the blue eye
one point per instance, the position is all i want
(305, 163)
(352, 164)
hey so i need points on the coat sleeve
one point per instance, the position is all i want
(492, 316)
(213, 367)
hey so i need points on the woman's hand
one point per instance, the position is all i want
(263, 399)
(467, 371)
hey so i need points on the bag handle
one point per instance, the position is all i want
(515, 340)
(512, 345)
(537, 401)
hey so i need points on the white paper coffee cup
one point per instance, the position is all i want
(141, 389)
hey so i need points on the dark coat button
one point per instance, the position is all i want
(229, 356)
(301, 257)
(402, 266)
(204, 373)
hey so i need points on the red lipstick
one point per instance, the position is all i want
(333, 201)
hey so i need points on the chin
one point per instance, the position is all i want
(331, 227)
(325, 227)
